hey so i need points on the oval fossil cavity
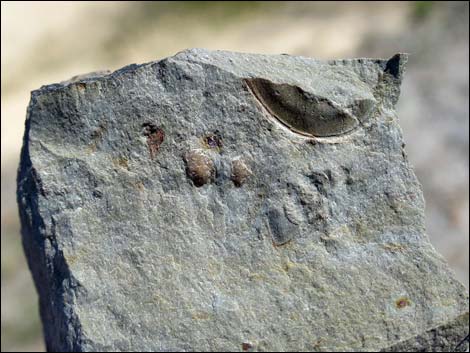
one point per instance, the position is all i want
(301, 111)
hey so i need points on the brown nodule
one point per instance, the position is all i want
(246, 346)
(155, 137)
(199, 167)
(240, 172)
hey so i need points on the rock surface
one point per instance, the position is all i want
(231, 202)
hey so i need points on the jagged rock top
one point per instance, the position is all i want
(227, 201)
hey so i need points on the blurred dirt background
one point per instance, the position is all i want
(46, 42)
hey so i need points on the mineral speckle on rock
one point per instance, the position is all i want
(213, 141)
(218, 201)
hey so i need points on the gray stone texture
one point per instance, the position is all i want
(218, 201)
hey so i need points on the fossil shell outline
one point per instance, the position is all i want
(306, 113)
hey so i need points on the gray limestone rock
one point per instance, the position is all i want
(218, 201)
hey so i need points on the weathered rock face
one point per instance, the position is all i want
(225, 201)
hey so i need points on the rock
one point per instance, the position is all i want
(217, 201)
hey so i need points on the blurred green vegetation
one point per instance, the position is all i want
(422, 9)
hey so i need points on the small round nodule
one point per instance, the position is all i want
(199, 167)
(247, 346)
(240, 172)
(402, 302)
